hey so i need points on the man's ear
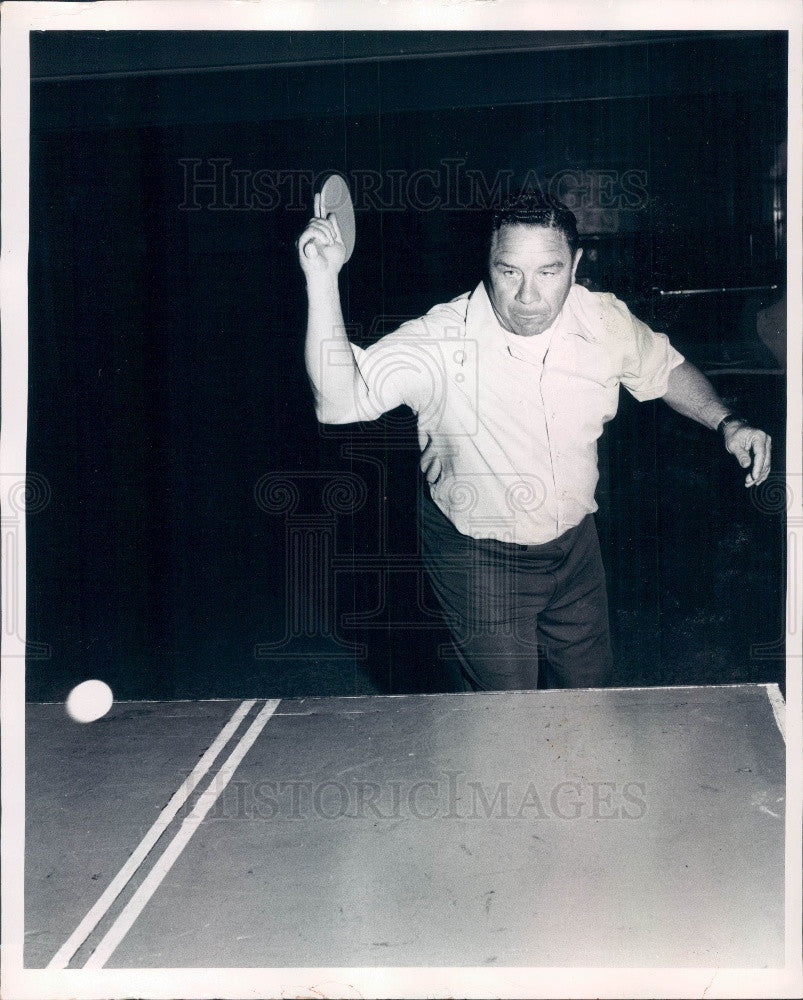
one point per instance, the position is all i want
(577, 257)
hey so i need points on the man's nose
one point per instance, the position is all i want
(528, 292)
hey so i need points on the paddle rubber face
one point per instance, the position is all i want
(336, 198)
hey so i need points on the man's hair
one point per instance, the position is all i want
(533, 208)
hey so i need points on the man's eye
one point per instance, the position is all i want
(548, 274)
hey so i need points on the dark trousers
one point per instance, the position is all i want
(501, 599)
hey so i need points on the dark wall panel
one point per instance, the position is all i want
(167, 381)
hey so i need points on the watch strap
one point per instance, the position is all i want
(730, 418)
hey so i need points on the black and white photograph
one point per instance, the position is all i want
(402, 499)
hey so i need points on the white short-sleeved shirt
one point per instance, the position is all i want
(515, 419)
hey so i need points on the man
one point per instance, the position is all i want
(511, 384)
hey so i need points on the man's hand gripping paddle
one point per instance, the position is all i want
(334, 205)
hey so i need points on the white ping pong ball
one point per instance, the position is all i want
(89, 701)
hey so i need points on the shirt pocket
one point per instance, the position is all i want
(581, 390)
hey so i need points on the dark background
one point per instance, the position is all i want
(169, 410)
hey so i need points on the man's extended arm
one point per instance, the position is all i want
(333, 372)
(691, 394)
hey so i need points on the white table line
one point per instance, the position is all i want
(65, 953)
(154, 878)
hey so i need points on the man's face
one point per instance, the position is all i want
(530, 270)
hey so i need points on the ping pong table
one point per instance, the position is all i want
(610, 827)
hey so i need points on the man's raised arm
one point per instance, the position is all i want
(336, 382)
(691, 394)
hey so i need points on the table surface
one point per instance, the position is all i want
(616, 827)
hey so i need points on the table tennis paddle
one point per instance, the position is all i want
(336, 198)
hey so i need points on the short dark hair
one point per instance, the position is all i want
(534, 208)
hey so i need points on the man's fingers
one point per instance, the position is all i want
(767, 459)
(755, 454)
(761, 461)
(430, 463)
(316, 206)
(310, 244)
(434, 470)
(306, 242)
(324, 227)
(319, 233)
(762, 449)
(332, 219)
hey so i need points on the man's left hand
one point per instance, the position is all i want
(752, 449)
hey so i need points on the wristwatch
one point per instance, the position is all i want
(729, 419)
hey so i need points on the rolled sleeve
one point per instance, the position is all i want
(382, 387)
(392, 371)
(408, 366)
(648, 361)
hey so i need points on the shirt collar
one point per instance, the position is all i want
(481, 322)
(483, 326)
